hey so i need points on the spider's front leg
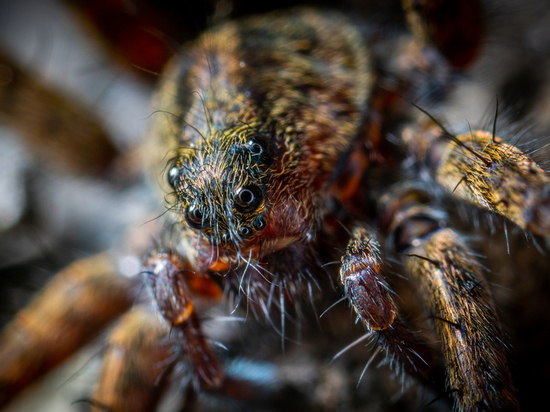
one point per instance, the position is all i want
(172, 281)
(143, 351)
(371, 297)
(451, 284)
(139, 354)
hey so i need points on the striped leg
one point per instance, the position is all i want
(482, 169)
(451, 284)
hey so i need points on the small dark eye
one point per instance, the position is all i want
(173, 175)
(195, 218)
(248, 197)
(245, 231)
(259, 223)
(255, 148)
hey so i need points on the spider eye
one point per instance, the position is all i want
(259, 223)
(255, 148)
(173, 175)
(245, 231)
(248, 198)
(195, 218)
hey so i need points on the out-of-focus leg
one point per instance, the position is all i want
(77, 304)
(137, 363)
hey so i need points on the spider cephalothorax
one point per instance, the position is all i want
(266, 123)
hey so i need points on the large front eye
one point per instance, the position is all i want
(195, 218)
(248, 198)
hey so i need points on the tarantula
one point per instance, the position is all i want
(292, 158)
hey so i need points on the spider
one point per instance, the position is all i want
(293, 165)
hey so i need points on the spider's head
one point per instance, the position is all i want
(222, 188)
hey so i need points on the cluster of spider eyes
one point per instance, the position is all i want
(246, 200)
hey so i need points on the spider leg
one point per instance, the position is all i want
(482, 169)
(172, 282)
(370, 296)
(60, 130)
(77, 303)
(451, 283)
(137, 362)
